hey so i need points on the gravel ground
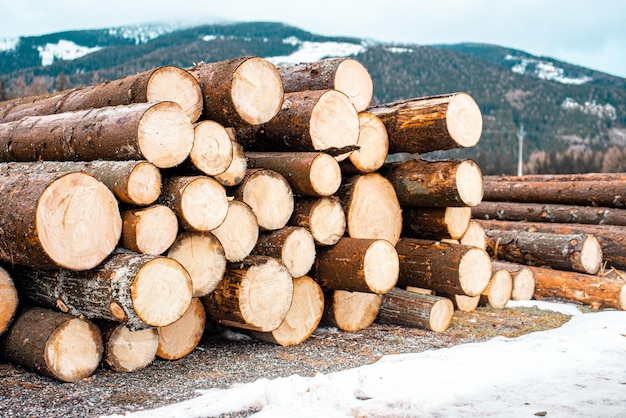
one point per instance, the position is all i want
(218, 362)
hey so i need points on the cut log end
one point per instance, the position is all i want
(622, 299)
(457, 220)
(523, 284)
(178, 339)
(373, 144)
(499, 289)
(474, 271)
(8, 300)
(474, 236)
(174, 84)
(327, 221)
(144, 184)
(150, 230)
(352, 311)
(441, 315)
(381, 266)
(129, 351)
(325, 175)
(270, 197)
(74, 350)
(78, 221)
(466, 303)
(161, 291)
(334, 123)
(165, 135)
(212, 151)
(353, 79)
(257, 90)
(239, 232)
(464, 120)
(204, 204)
(236, 171)
(469, 183)
(591, 255)
(298, 252)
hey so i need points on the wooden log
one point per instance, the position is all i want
(346, 75)
(181, 337)
(237, 169)
(157, 132)
(351, 311)
(421, 183)
(303, 316)
(269, 195)
(239, 232)
(127, 351)
(8, 300)
(371, 207)
(323, 217)
(293, 245)
(149, 230)
(255, 294)
(612, 238)
(576, 252)
(426, 124)
(200, 202)
(607, 291)
(357, 264)
(202, 255)
(401, 307)
(579, 192)
(523, 278)
(311, 120)
(373, 145)
(498, 292)
(240, 91)
(466, 303)
(134, 182)
(540, 212)
(436, 223)
(445, 268)
(212, 151)
(167, 83)
(138, 290)
(51, 220)
(308, 173)
(53, 344)
(562, 177)
(475, 235)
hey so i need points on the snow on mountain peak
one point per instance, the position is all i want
(142, 34)
(544, 70)
(314, 51)
(64, 50)
(8, 44)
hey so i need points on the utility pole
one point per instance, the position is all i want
(520, 136)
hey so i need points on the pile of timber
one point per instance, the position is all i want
(569, 229)
(261, 198)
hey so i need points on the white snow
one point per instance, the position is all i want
(578, 370)
(142, 34)
(8, 44)
(591, 108)
(315, 51)
(65, 50)
(399, 50)
(544, 70)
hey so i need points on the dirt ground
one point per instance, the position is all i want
(218, 362)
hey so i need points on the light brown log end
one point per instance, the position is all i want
(352, 311)
(334, 123)
(298, 252)
(591, 255)
(204, 204)
(523, 284)
(8, 300)
(457, 220)
(174, 84)
(325, 175)
(78, 221)
(499, 289)
(128, 351)
(180, 338)
(381, 266)
(469, 183)
(622, 299)
(236, 171)
(257, 90)
(355, 81)
(212, 151)
(373, 145)
(150, 230)
(466, 303)
(327, 221)
(474, 236)
(161, 291)
(441, 315)
(239, 232)
(270, 197)
(144, 184)
(464, 120)
(474, 271)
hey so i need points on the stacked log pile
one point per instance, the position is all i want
(261, 198)
(569, 229)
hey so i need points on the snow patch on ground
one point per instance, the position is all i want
(591, 108)
(315, 51)
(544, 70)
(63, 50)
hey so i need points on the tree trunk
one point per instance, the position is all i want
(311, 120)
(308, 173)
(343, 74)
(149, 230)
(371, 207)
(356, 264)
(137, 289)
(573, 251)
(53, 344)
(202, 255)
(303, 316)
(434, 123)
(158, 132)
(578, 192)
(8, 300)
(538, 212)
(373, 146)
(128, 351)
(51, 220)
(562, 177)
(239, 232)
(475, 235)
(421, 183)
(522, 276)
(212, 151)
(241, 91)
(200, 202)
(436, 223)
(612, 238)
(165, 83)
(498, 292)
(236, 171)
(608, 291)
(323, 217)
(269, 195)
(444, 268)
(351, 311)
(181, 337)
(293, 245)
(402, 307)
(255, 294)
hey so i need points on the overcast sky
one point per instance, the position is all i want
(588, 33)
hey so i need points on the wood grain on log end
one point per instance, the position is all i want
(591, 255)
(466, 303)
(469, 183)
(325, 175)
(270, 197)
(334, 123)
(298, 252)
(474, 271)
(381, 266)
(212, 151)
(239, 232)
(353, 79)
(498, 292)
(523, 284)
(179, 339)
(236, 171)
(144, 184)
(458, 221)
(150, 230)
(323, 217)
(441, 315)
(8, 300)
(257, 90)
(351, 311)
(373, 146)
(464, 120)
(204, 204)
(127, 351)
(474, 236)
(174, 84)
